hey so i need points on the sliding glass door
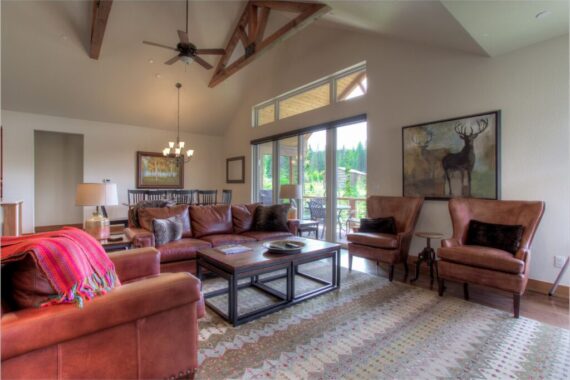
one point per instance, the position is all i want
(304, 159)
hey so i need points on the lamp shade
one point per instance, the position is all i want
(290, 192)
(96, 194)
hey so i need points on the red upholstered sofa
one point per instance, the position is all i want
(145, 329)
(209, 226)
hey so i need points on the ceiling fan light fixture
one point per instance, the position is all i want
(186, 59)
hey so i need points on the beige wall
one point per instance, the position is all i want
(58, 168)
(109, 152)
(410, 84)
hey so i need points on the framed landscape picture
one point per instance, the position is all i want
(456, 157)
(155, 171)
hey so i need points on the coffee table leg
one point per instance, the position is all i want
(232, 299)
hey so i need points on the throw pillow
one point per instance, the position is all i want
(271, 218)
(210, 220)
(134, 210)
(167, 230)
(501, 236)
(30, 287)
(378, 225)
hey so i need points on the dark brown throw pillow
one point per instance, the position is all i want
(501, 236)
(242, 217)
(378, 225)
(30, 287)
(167, 230)
(271, 218)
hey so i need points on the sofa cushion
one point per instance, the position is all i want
(267, 235)
(500, 236)
(242, 217)
(373, 239)
(210, 220)
(183, 249)
(167, 230)
(482, 257)
(221, 239)
(146, 215)
(271, 218)
(378, 225)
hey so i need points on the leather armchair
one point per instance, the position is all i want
(385, 248)
(146, 328)
(484, 265)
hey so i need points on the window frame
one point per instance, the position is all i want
(330, 80)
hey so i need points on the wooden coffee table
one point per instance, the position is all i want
(258, 261)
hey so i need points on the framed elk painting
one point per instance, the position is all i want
(456, 157)
(155, 171)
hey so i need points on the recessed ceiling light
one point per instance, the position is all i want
(151, 60)
(157, 76)
(542, 14)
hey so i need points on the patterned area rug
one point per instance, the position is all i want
(374, 329)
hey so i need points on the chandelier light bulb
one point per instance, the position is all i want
(165, 151)
(177, 151)
(190, 152)
(181, 144)
(171, 144)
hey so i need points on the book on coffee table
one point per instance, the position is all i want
(230, 249)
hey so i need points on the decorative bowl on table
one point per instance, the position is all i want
(284, 246)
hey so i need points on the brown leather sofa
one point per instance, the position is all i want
(146, 329)
(385, 248)
(209, 226)
(484, 265)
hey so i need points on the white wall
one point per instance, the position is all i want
(109, 152)
(58, 168)
(410, 84)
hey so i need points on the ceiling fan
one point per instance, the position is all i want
(187, 51)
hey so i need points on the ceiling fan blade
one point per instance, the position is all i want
(159, 45)
(183, 37)
(172, 60)
(201, 62)
(211, 51)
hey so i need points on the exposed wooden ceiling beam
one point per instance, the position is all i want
(101, 10)
(256, 23)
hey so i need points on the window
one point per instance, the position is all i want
(345, 85)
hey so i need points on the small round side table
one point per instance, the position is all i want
(427, 255)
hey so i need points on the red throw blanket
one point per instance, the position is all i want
(75, 264)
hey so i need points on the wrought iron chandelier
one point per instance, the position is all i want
(176, 149)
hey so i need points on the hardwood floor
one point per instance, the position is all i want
(551, 310)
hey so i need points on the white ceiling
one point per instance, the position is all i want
(46, 69)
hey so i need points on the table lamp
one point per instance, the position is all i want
(97, 194)
(291, 192)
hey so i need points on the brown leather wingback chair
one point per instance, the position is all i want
(145, 329)
(385, 248)
(483, 265)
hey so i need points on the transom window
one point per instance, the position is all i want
(344, 85)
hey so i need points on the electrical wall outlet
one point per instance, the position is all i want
(559, 261)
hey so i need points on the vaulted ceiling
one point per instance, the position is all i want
(46, 67)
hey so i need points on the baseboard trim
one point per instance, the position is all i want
(537, 286)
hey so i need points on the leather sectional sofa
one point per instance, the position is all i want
(209, 226)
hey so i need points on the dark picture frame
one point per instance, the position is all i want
(167, 172)
(456, 157)
(235, 169)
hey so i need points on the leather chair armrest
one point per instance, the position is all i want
(140, 237)
(522, 254)
(448, 243)
(31, 329)
(136, 263)
(293, 225)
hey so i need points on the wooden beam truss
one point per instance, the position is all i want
(101, 10)
(250, 31)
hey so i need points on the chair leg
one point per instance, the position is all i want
(516, 304)
(405, 271)
(466, 291)
(440, 286)
(349, 261)
(391, 273)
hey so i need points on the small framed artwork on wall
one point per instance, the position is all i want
(155, 171)
(235, 170)
(456, 157)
